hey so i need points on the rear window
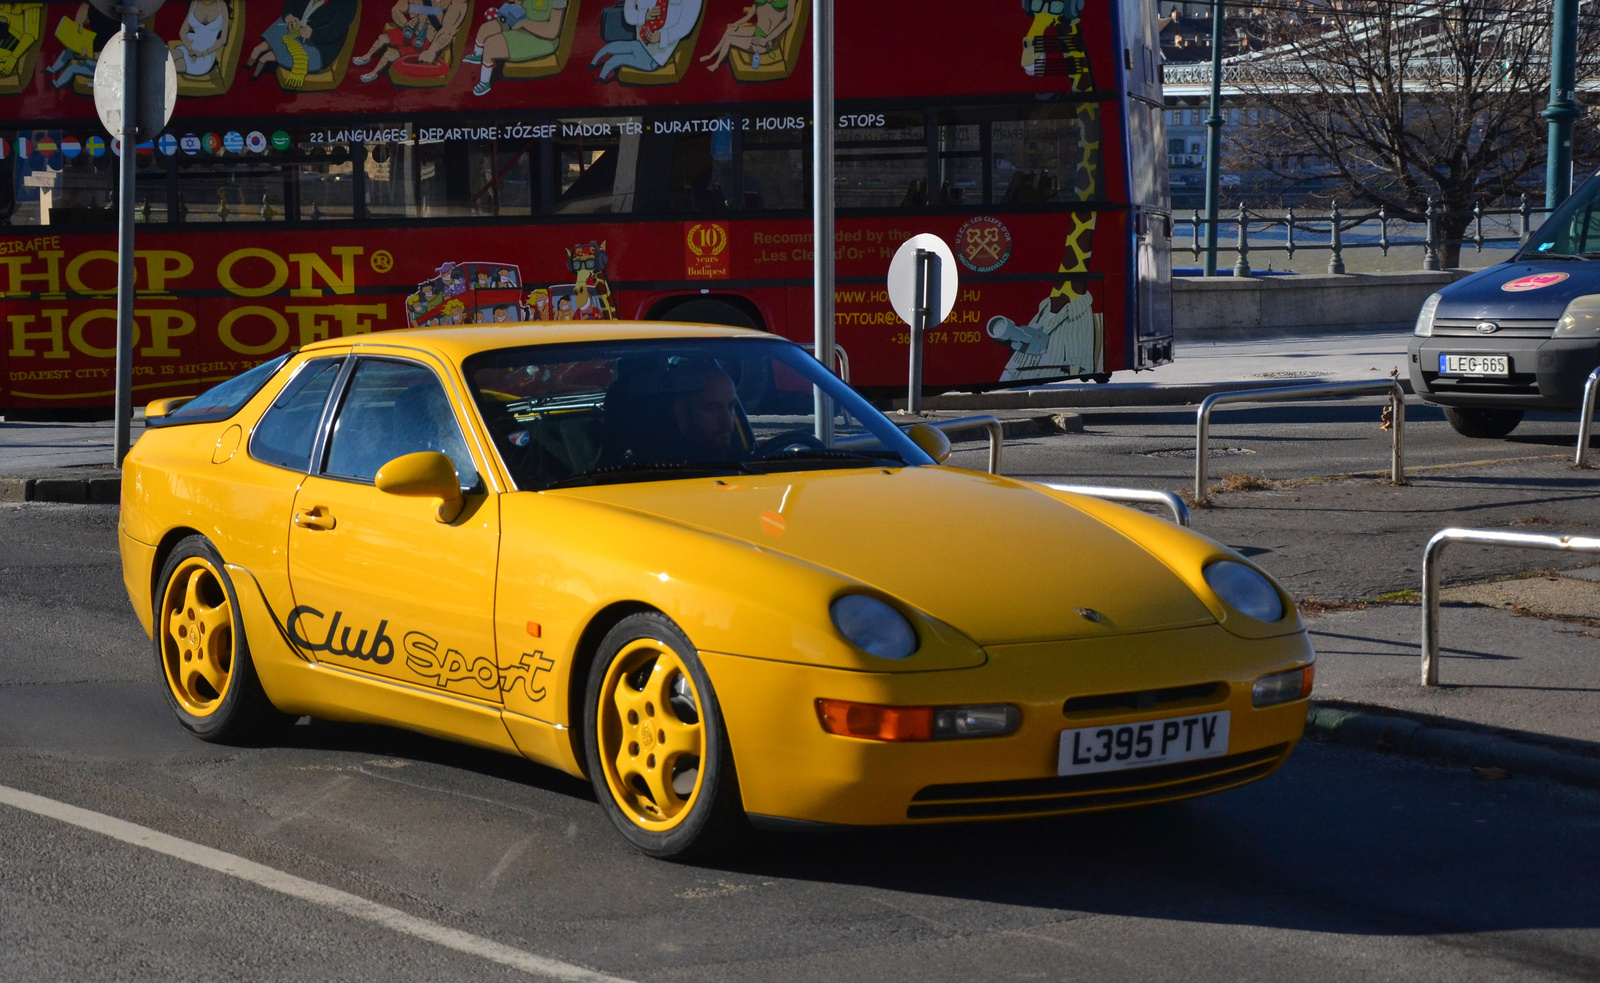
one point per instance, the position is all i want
(224, 400)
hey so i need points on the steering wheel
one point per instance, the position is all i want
(779, 443)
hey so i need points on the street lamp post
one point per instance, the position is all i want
(1214, 140)
(1562, 108)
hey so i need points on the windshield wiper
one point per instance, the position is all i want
(817, 455)
(618, 473)
(1531, 257)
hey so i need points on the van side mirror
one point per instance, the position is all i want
(425, 474)
(932, 441)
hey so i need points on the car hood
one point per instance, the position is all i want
(999, 560)
(1538, 289)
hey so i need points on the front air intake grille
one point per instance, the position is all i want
(1148, 699)
(1072, 792)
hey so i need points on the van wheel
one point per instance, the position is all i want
(1473, 422)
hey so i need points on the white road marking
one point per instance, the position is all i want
(298, 887)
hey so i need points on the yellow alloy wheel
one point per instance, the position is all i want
(652, 740)
(197, 636)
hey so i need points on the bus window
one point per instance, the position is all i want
(682, 172)
(221, 190)
(326, 186)
(774, 166)
(882, 164)
(960, 151)
(595, 164)
(1034, 160)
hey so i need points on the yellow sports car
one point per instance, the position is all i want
(692, 565)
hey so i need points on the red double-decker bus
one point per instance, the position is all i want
(336, 167)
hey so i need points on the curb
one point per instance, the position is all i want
(1015, 428)
(76, 491)
(1125, 394)
(1459, 744)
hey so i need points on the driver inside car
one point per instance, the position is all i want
(706, 412)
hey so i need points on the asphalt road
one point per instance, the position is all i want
(1344, 865)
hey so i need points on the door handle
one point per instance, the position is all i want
(314, 518)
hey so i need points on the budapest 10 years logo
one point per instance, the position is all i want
(983, 244)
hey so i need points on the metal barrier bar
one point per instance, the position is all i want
(1397, 399)
(1590, 390)
(1180, 511)
(840, 356)
(1487, 537)
(985, 422)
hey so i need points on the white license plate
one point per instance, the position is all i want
(1474, 365)
(1154, 742)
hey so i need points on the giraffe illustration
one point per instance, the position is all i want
(1065, 337)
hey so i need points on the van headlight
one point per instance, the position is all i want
(1424, 328)
(1245, 589)
(1581, 318)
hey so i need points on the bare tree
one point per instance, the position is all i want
(1407, 102)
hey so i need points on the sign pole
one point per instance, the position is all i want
(125, 260)
(928, 294)
(822, 203)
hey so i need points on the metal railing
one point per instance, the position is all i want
(1487, 537)
(1149, 496)
(989, 423)
(1590, 389)
(1332, 230)
(840, 356)
(1397, 400)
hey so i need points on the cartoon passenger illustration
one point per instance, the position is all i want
(763, 24)
(20, 27)
(82, 37)
(591, 292)
(306, 40)
(419, 38)
(505, 278)
(203, 34)
(657, 26)
(516, 32)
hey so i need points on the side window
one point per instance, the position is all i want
(394, 408)
(288, 430)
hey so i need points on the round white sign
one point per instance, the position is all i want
(903, 278)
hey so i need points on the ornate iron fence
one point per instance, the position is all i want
(1330, 230)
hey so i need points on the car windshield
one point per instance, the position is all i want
(1572, 231)
(656, 409)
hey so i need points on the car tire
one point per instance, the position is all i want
(1478, 422)
(655, 745)
(202, 651)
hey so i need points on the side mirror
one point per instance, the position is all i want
(425, 474)
(932, 441)
(155, 412)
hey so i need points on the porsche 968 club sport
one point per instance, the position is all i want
(692, 566)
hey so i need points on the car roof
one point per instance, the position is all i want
(458, 342)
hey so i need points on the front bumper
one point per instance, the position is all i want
(1546, 373)
(790, 770)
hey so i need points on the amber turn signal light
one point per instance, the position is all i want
(875, 723)
(880, 723)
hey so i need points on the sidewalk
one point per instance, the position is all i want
(59, 462)
(1517, 694)
(1198, 369)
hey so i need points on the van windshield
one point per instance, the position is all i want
(1572, 231)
